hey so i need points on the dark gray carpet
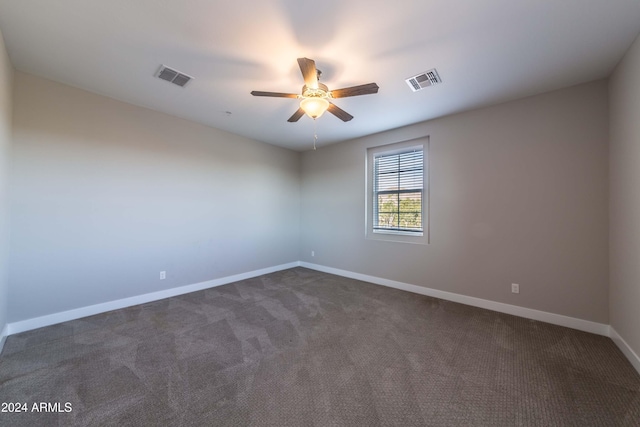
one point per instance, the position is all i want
(304, 348)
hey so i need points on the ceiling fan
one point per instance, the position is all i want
(315, 95)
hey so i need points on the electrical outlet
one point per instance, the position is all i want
(313, 253)
(515, 288)
(163, 275)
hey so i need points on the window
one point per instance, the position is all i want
(396, 192)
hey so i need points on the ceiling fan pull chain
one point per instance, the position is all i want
(315, 134)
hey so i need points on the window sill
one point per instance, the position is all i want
(398, 237)
(399, 233)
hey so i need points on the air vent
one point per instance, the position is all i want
(173, 76)
(424, 80)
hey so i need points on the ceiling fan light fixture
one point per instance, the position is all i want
(315, 95)
(314, 107)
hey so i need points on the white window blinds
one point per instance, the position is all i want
(398, 191)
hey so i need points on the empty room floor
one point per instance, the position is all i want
(300, 347)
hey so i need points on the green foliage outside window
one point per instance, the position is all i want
(400, 211)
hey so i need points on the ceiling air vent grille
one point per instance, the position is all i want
(173, 76)
(424, 80)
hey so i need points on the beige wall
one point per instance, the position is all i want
(624, 241)
(6, 72)
(105, 195)
(518, 195)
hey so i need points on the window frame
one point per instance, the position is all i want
(370, 209)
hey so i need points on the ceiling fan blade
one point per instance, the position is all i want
(339, 113)
(367, 89)
(296, 116)
(309, 72)
(274, 94)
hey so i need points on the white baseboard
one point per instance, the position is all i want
(52, 319)
(528, 313)
(625, 348)
(3, 336)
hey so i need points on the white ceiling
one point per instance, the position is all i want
(486, 51)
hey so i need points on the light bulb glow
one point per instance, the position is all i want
(314, 107)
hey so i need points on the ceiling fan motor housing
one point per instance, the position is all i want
(322, 91)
